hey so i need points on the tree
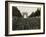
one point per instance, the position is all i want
(16, 12)
(32, 15)
(37, 13)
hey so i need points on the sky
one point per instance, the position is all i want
(28, 10)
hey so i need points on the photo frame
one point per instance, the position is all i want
(24, 18)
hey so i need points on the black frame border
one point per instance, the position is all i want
(6, 17)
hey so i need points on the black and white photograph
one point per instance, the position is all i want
(24, 18)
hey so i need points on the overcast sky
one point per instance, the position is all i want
(29, 10)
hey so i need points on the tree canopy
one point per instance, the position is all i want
(36, 13)
(16, 12)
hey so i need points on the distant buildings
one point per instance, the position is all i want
(25, 15)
